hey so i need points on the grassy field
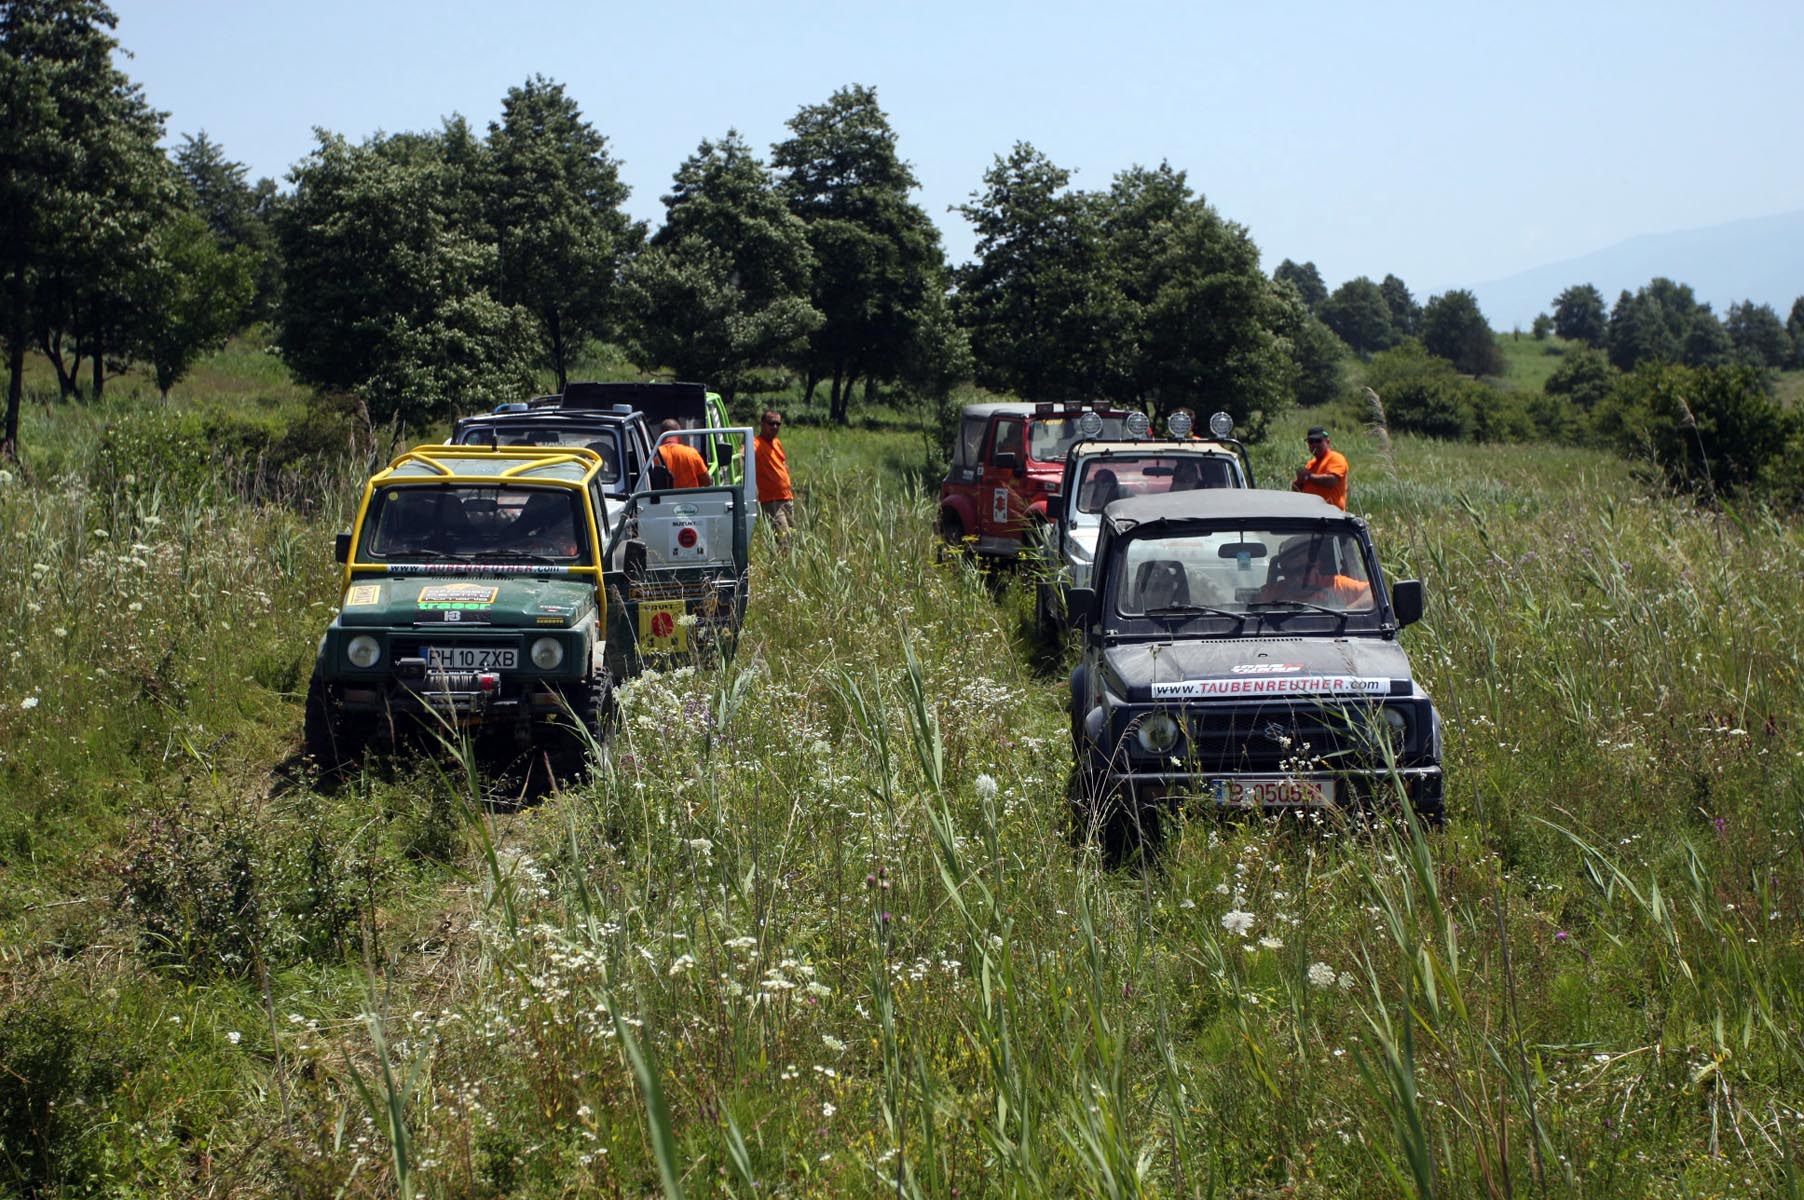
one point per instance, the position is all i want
(817, 925)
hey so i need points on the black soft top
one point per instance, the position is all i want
(1233, 504)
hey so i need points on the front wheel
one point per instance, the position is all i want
(324, 735)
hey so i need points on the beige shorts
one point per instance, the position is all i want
(780, 514)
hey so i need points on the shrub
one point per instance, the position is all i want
(1710, 430)
(1424, 394)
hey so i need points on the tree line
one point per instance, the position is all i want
(425, 273)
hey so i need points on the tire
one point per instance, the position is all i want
(952, 530)
(324, 736)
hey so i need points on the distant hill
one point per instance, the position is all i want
(1761, 259)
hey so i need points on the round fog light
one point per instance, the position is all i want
(547, 653)
(1158, 733)
(363, 651)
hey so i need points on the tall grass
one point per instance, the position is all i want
(815, 924)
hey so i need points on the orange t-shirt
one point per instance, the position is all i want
(773, 471)
(688, 469)
(1329, 462)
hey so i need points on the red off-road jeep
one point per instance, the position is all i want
(1008, 460)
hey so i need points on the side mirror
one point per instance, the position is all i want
(341, 547)
(632, 558)
(1005, 461)
(1079, 603)
(1406, 601)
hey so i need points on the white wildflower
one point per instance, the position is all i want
(29, 702)
(986, 787)
(234, 1037)
(1237, 922)
(1321, 975)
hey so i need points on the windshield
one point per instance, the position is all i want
(604, 442)
(1266, 571)
(1105, 479)
(425, 522)
(1050, 438)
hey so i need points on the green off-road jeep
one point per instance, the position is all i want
(473, 597)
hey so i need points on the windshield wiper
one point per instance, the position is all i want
(425, 552)
(1191, 610)
(1298, 606)
(526, 554)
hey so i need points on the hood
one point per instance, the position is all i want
(479, 599)
(1252, 669)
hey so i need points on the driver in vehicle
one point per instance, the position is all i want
(1304, 572)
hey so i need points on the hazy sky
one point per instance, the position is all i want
(1448, 143)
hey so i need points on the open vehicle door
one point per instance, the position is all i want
(677, 566)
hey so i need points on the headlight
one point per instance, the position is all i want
(547, 653)
(364, 651)
(1397, 721)
(1158, 733)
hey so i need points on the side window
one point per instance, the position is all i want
(1009, 439)
(970, 440)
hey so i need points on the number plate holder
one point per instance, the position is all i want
(457, 660)
(1253, 791)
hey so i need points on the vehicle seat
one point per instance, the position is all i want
(1100, 490)
(1161, 583)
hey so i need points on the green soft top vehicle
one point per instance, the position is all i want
(473, 595)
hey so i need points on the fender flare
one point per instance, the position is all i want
(962, 508)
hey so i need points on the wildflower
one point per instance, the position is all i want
(30, 702)
(234, 1037)
(682, 963)
(686, 620)
(1272, 943)
(1345, 981)
(832, 1043)
(827, 1108)
(60, 632)
(1561, 935)
(986, 787)
(1321, 975)
(1237, 922)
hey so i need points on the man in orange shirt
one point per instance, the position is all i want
(776, 499)
(686, 466)
(1325, 474)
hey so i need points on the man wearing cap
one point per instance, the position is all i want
(776, 498)
(1325, 474)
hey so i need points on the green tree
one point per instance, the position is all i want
(1197, 321)
(1706, 342)
(1359, 315)
(1042, 308)
(1425, 394)
(553, 201)
(81, 185)
(1542, 327)
(237, 214)
(1453, 328)
(198, 292)
(1579, 315)
(1758, 335)
(1406, 314)
(1794, 327)
(1664, 322)
(1306, 279)
(732, 250)
(1710, 430)
(1319, 356)
(384, 296)
(1583, 378)
(879, 275)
